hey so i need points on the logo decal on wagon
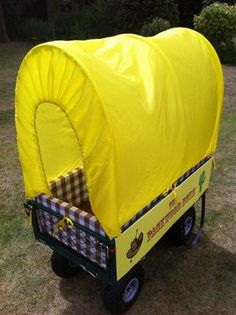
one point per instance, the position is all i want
(175, 206)
(135, 245)
(202, 179)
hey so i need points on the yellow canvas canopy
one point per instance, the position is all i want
(136, 112)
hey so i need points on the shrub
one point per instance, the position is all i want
(96, 19)
(218, 23)
(64, 24)
(154, 27)
(33, 29)
(110, 17)
(133, 14)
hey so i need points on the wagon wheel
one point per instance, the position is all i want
(62, 267)
(181, 231)
(119, 297)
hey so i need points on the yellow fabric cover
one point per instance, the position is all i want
(137, 112)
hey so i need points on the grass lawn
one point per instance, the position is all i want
(180, 281)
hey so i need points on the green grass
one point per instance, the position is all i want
(197, 281)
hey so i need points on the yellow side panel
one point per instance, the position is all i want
(58, 144)
(152, 226)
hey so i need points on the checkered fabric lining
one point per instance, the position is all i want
(159, 198)
(78, 240)
(70, 187)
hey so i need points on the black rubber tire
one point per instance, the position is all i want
(177, 233)
(114, 294)
(61, 266)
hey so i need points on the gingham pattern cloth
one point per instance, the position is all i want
(76, 239)
(71, 187)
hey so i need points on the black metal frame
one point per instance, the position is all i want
(202, 220)
(108, 274)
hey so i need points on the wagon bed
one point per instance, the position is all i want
(84, 240)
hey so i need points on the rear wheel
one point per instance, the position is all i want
(119, 297)
(181, 231)
(62, 267)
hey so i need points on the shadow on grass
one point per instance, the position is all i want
(200, 280)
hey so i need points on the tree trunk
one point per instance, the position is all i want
(3, 32)
(51, 8)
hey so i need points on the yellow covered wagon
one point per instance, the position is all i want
(116, 138)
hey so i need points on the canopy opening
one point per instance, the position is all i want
(58, 144)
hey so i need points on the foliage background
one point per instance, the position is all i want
(43, 20)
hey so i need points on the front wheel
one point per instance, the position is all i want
(62, 267)
(181, 231)
(119, 297)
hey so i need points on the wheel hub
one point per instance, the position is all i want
(188, 225)
(131, 290)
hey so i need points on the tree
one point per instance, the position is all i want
(208, 2)
(100, 18)
(187, 9)
(3, 32)
(51, 12)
